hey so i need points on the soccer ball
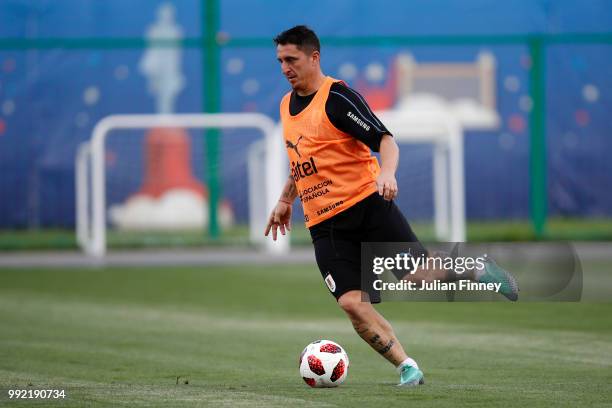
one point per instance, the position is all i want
(324, 363)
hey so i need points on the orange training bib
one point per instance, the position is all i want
(331, 169)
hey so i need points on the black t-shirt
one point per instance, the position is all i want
(348, 111)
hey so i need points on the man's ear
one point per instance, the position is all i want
(316, 56)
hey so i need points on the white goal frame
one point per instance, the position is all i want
(90, 169)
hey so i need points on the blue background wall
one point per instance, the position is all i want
(50, 99)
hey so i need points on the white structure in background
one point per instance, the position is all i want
(464, 90)
(446, 135)
(436, 102)
(162, 65)
(91, 178)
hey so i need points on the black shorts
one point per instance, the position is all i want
(337, 241)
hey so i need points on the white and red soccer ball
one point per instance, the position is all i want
(324, 363)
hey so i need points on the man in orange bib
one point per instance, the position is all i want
(329, 132)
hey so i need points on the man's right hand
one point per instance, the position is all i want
(279, 219)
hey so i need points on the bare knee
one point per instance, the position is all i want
(354, 307)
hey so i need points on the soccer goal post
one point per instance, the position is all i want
(91, 211)
(445, 133)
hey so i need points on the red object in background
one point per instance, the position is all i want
(582, 117)
(381, 97)
(2, 126)
(516, 123)
(168, 163)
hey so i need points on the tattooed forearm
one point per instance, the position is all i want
(290, 191)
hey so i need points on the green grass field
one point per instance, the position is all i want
(121, 337)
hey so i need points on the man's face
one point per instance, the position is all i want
(297, 66)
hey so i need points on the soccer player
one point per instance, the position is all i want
(329, 131)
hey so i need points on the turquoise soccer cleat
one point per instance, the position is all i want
(410, 376)
(493, 273)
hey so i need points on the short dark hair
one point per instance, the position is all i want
(301, 36)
